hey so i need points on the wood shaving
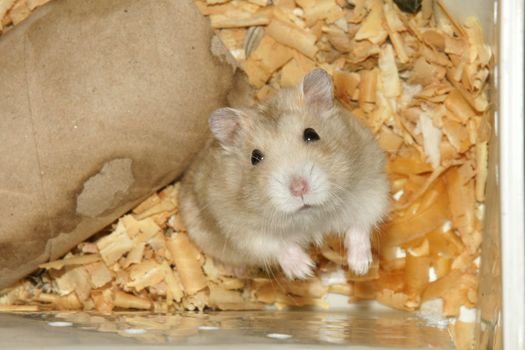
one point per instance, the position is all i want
(423, 93)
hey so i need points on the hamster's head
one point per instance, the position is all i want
(291, 157)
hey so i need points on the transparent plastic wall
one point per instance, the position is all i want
(502, 292)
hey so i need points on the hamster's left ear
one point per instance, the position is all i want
(318, 90)
(225, 124)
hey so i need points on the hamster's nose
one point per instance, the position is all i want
(298, 186)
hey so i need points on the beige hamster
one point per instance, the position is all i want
(278, 176)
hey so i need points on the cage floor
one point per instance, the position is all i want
(358, 328)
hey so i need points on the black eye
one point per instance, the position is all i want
(257, 156)
(310, 135)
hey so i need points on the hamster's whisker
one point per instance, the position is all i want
(336, 197)
(224, 247)
(338, 186)
(273, 278)
(277, 179)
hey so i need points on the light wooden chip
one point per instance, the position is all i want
(431, 139)
(150, 202)
(135, 255)
(19, 11)
(464, 335)
(459, 106)
(129, 301)
(342, 289)
(220, 295)
(321, 10)
(74, 279)
(232, 283)
(113, 246)
(434, 38)
(456, 134)
(165, 206)
(311, 288)
(409, 163)
(186, 259)
(5, 5)
(425, 73)
(444, 244)
(346, 85)
(457, 26)
(71, 261)
(393, 21)
(399, 46)
(462, 201)
(294, 37)
(145, 274)
(398, 301)
(418, 224)
(67, 302)
(172, 280)
(416, 273)
(293, 72)
(389, 74)
(442, 266)
(388, 140)
(368, 86)
(197, 301)
(372, 27)
(364, 291)
(265, 60)
(99, 273)
(237, 19)
(438, 288)
(19, 308)
(244, 306)
(481, 170)
(260, 2)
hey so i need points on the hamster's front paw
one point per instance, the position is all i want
(359, 262)
(296, 264)
(359, 253)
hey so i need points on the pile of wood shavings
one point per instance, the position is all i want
(147, 262)
(418, 81)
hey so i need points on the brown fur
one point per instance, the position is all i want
(225, 200)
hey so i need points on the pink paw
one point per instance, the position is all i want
(296, 264)
(359, 253)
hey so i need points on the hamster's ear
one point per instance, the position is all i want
(317, 89)
(224, 124)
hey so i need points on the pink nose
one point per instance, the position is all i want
(298, 186)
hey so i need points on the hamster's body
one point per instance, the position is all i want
(278, 177)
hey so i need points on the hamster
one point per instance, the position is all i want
(276, 177)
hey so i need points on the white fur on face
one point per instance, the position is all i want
(279, 187)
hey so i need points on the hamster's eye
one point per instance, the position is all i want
(257, 156)
(310, 135)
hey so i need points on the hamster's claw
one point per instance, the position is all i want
(295, 263)
(359, 262)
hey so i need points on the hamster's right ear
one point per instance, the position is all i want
(224, 124)
(318, 90)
